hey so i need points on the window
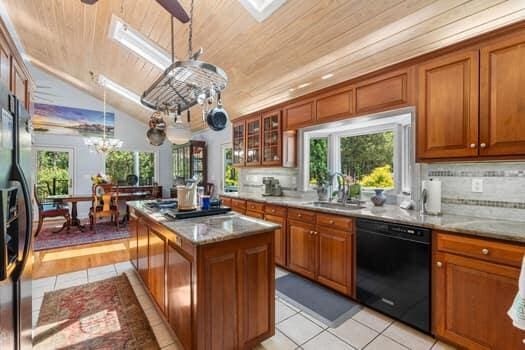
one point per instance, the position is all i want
(231, 174)
(54, 171)
(318, 160)
(369, 159)
(375, 152)
(121, 164)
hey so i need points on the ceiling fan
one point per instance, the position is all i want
(172, 6)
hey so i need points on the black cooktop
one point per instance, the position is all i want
(176, 214)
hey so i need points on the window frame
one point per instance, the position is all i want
(136, 165)
(403, 158)
(224, 147)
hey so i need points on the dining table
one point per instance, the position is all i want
(74, 199)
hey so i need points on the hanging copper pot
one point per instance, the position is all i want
(156, 133)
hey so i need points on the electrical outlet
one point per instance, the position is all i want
(477, 185)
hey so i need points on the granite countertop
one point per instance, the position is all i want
(207, 229)
(482, 227)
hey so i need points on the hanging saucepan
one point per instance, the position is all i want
(217, 117)
(156, 134)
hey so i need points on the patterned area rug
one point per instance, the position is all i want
(106, 231)
(98, 315)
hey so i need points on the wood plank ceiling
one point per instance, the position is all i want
(298, 44)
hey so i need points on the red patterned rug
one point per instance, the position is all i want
(98, 315)
(106, 231)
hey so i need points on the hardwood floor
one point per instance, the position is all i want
(57, 261)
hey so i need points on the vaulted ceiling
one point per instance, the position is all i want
(301, 42)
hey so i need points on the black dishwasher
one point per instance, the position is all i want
(393, 270)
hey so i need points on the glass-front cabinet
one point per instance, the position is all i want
(253, 141)
(271, 134)
(239, 136)
(190, 160)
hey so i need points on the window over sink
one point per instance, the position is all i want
(375, 152)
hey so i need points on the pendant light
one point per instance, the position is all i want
(180, 132)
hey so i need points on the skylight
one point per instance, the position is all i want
(119, 89)
(262, 9)
(132, 39)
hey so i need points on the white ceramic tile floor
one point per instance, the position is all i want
(367, 329)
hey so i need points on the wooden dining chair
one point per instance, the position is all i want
(209, 189)
(103, 205)
(49, 209)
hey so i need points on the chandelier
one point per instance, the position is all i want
(104, 144)
(183, 85)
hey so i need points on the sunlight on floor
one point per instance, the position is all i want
(74, 253)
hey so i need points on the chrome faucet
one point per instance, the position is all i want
(342, 192)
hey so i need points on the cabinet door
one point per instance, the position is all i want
(179, 291)
(238, 142)
(447, 113)
(271, 138)
(280, 239)
(335, 105)
(387, 91)
(5, 70)
(253, 141)
(157, 265)
(299, 114)
(142, 250)
(302, 248)
(133, 240)
(502, 103)
(19, 84)
(334, 259)
(471, 299)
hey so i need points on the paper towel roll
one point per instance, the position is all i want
(433, 196)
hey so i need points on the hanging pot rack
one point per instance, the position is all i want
(184, 83)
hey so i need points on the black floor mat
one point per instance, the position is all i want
(327, 306)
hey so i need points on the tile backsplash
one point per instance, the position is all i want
(503, 193)
(250, 179)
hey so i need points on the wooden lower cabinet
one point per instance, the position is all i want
(280, 238)
(215, 296)
(335, 262)
(179, 287)
(470, 302)
(302, 248)
(142, 250)
(157, 265)
(133, 240)
(255, 214)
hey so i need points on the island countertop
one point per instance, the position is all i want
(206, 229)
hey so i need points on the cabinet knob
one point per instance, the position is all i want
(485, 251)
(331, 222)
(439, 264)
(311, 232)
(472, 145)
(483, 145)
(273, 210)
(299, 215)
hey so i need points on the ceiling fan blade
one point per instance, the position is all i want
(175, 9)
(89, 2)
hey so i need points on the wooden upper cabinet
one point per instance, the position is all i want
(387, 91)
(272, 138)
(471, 299)
(5, 64)
(239, 142)
(335, 105)
(253, 141)
(19, 82)
(502, 99)
(447, 109)
(299, 114)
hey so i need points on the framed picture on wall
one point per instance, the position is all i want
(6, 131)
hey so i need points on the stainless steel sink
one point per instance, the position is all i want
(340, 206)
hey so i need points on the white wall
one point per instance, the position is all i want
(87, 163)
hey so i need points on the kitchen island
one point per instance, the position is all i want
(212, 277)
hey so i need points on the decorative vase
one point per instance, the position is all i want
(322, 193)
(379, 199)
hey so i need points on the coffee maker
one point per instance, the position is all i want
(271, 187)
